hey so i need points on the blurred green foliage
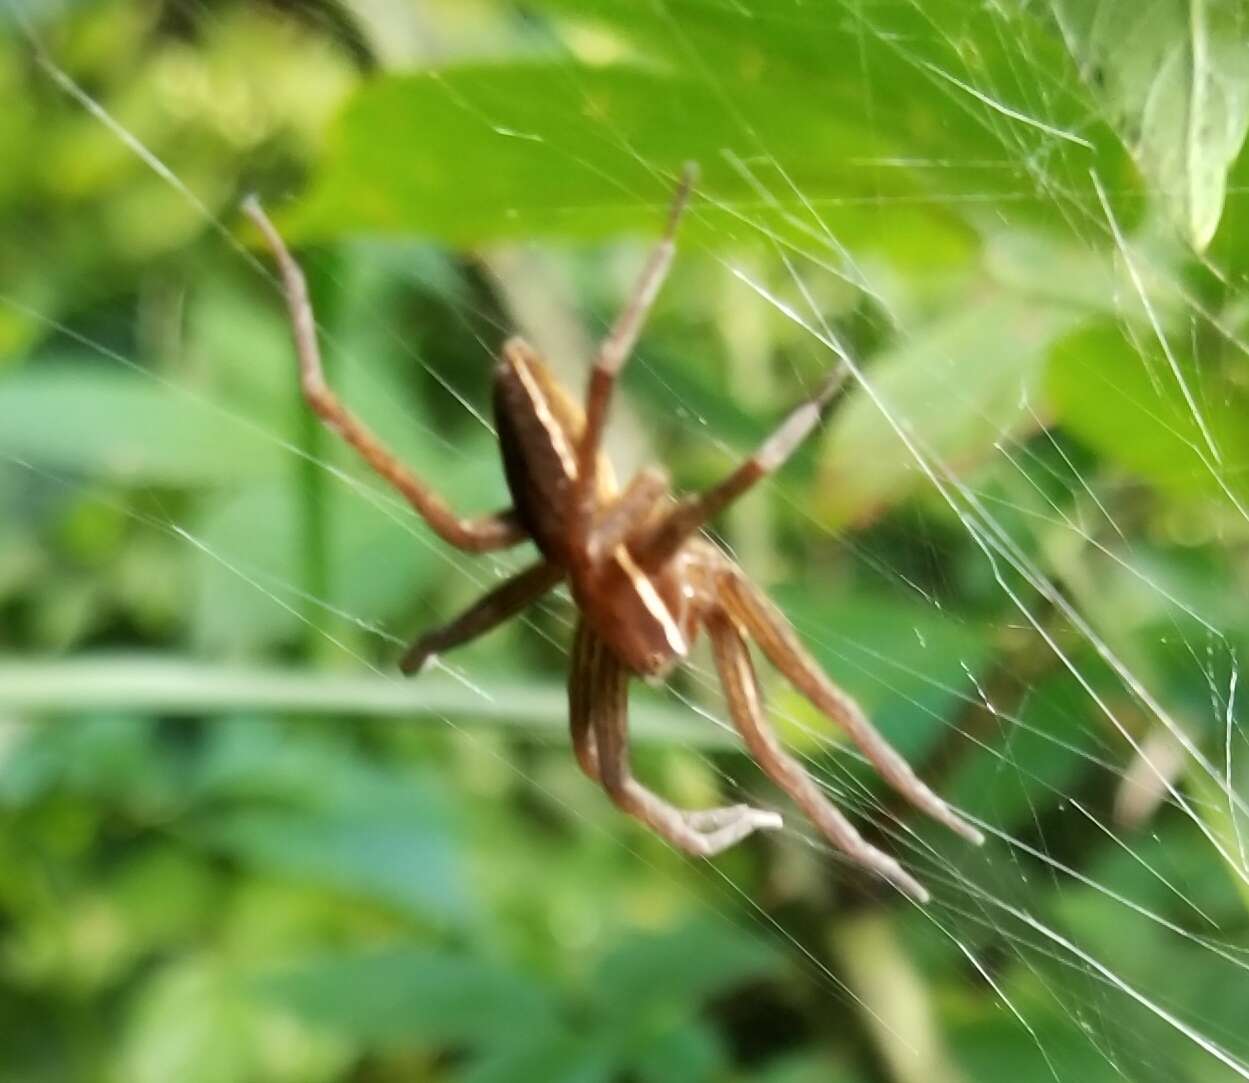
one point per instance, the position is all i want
(1020, 540)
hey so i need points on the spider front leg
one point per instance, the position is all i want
(692, 513)
(598, 696)
(474, 535)
(612, 355)
(741, 687)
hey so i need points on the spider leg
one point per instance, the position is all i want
(586, 749)
(692, 513)
(614, 351)
(769, 628)
(742, 689)
(614, 523)
(599, 706)
(580, 700)
(489, 611)
(475, 535)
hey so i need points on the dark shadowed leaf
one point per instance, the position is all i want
(909, 666)
(679, 968)
(1180, 426)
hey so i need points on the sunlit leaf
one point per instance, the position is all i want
(192, 1020)
(517, 150)
(1174, 77)
(575, 147)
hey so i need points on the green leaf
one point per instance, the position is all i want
(881, 149)
(689, 1053)
(908, 664)
(806, 1067)
(518, 149)
(318, 813)
(397, 860)
(1174, 78)
(188, 1023)
(407, 996)
(1051, 1047)
(105, 757)
(955, 389)
(560, 1057)
(1031, 766)
(192, 1020)
(246, 594)
(1127, 402)
(94, 419)
(658, 972)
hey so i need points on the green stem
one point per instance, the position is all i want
(171, 685)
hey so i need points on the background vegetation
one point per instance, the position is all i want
(234, 846)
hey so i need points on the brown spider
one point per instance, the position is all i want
(643, 575)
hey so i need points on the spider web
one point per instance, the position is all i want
(1087, 954)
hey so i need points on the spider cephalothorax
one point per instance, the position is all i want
(644, 578)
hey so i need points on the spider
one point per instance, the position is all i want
(643, 575)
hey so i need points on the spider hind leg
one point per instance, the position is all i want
(742, 689)
(598, 701)
(768, 627)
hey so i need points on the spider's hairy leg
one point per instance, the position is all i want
(474, 535)
(614, 523)
(769, 628)
(598, 695)
(742, 689)
(489, 611)
(614, 351)
(692, 513)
